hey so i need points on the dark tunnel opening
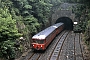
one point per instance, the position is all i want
(67, 21)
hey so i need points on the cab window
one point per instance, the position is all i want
(38, 41)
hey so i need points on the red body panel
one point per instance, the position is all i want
(50, 38)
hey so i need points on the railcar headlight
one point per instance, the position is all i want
(33, 45)
(41, 45)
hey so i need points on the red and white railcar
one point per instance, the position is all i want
(41, 40)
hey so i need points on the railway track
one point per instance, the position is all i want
(66, 46)
(72, 48)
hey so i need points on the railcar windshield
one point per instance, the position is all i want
(38, 41)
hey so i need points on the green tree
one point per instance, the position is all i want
(42, 11)
(8, 34)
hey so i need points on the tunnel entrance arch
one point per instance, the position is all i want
(67, 21)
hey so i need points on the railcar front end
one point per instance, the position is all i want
(38, 44)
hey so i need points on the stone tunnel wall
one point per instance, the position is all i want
(64, 10)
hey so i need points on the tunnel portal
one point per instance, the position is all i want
(67, 21)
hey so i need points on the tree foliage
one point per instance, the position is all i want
(34, 12)
(8, 34)
(80, 16)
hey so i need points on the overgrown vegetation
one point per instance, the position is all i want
(80, 17)
(8, 34)
(27, 17)
(21, 18)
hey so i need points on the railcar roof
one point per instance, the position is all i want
(43, 34)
